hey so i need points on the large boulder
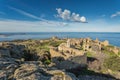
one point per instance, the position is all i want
(16, 51)
(3, 75)
(7, 68)
(105, 43)
(94, 77)
(4, 53)
(32, 71)
(29, 71)
(72, 62)
(61, 75)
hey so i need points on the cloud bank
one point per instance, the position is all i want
(69, 16)
(9, 25)
(115, 14)
(55, 26)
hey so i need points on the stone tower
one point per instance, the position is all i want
(68, 43)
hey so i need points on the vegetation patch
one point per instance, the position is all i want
(112, 63)
(106, 50)
(89, 54)
(110, 53)
(110, 46)
(55, 43)
(119, 53)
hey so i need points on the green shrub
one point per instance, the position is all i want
(89, 54)
(110, 53)
(112, 63)
(110, 46)
(119, 53)
(106, 50)
(44, 48)
(47, 62)
(55, 43)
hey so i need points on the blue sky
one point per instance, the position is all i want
(59, 15)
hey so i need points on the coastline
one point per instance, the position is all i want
(112, 37)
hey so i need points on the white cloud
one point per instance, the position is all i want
(29, 26)
(75, 17)
(64, 15)
(115, 14)
(67, 15)
(83, 19)
(98, 25)
(55, 26)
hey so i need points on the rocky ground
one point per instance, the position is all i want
(31, 60)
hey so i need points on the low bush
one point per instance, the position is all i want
(55, 43)
(89, 54)
(112, 63)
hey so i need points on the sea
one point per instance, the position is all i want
(112, 37)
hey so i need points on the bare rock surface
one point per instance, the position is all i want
(7, 67)
(4, 53)
(31, 71)
(54, 59)
(93, 77)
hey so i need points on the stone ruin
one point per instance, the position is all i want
(73, 52)
(67, 57)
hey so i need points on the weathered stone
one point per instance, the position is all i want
(60, 75)
(3, 75)
(105, 43)
(8, 66)
(73, 57)
(16, 50)
(55, 38)
(28, 71)
(21, 60)
(1, 44)
(115, 50)
(96, 40)
(4, 53)
(93, 77)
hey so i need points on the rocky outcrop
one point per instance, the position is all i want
(60, 75)
(70, 63)
(93, 77)
(105, 43)
(28, 72)
(5, 53)
(39, 60)
(7, 67)
(70, 57)
(31, 71)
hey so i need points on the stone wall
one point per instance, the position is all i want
(67, 60)
(55, 53)
(72, 62)
(72, 51)
(105, 43)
